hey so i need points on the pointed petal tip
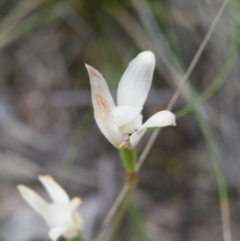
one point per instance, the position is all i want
(25, 192)
(76, 201)
(92, 71)
(55, 191)
(21, 188)
(136, 81)
(45, 177)
(94, 75)
(147, 54)
(160, 119)
(34, 200)
(88, 67)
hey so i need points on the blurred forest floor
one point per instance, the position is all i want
(47, 124)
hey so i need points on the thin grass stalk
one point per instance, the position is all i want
(136, 222)
(219, 80)
(128, 159)
(29, 24)
(220, 177)
(197, 55)
(112, 212)
(120, 213)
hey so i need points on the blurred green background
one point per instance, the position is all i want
(47, 124)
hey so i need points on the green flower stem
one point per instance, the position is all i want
(129, 158)
(78, 238)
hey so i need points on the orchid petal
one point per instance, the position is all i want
(136, 81)
(160, 119)
(60, 215)
(136, 137)
(99, 86)
(125, 114)
(34, 200)
(106, 122)
(78, 220)
(103, 105)
(56, 232)
(55, 191)
(75, 202)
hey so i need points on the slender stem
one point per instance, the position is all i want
(112, 211)
(121, 212)
(219, 80)
(128, 158)
(197, 55)
(220, 177)
(136, 222)
(146, 150)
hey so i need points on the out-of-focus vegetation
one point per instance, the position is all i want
(47, 125)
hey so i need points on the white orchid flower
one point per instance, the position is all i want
(61, 214)
(122, 124)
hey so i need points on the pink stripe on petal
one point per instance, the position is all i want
(106, 121)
